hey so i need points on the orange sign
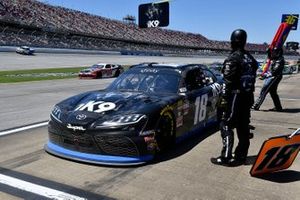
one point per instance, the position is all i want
(276, 153)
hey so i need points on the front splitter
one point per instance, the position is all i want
(96, 158)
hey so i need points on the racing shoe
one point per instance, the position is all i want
(222, 161)
(255, 108)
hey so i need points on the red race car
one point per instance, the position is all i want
(101, 70)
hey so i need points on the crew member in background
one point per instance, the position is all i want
(239, 72)
(272, 79)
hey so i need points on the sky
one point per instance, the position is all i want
(214, 19)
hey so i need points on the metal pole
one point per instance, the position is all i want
(294, 133)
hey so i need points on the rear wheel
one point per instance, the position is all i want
(165, 136)
(99, 75)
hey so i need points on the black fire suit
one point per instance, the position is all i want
(271, 83)
(239, 72)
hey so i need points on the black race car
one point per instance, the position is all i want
(145, 110)
(143, 63)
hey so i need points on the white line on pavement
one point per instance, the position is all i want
(289, 99)
(23, 128)
(37, 189)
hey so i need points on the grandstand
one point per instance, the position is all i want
(29, 22)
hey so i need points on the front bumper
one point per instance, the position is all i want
(111, 147)
(95, 158)
(87, 75)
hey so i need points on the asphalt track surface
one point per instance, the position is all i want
(184, 172)
(13, 61)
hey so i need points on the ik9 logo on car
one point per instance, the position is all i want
(96, 106)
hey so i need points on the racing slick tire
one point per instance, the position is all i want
(117, 73)
(165, 136)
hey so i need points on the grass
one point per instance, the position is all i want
(38, 74)
(14, 76)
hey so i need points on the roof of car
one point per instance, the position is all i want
(179, 66)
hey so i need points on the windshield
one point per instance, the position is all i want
(97, 66)
(146, 82)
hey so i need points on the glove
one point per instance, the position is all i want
(266, 75)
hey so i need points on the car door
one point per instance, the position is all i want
(108, 70)
(214, 91)
(197, 98)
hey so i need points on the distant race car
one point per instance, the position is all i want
(101, 70)
(144, 111)
(288, 69)
(25, 50)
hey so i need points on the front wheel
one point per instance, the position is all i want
(165, 135)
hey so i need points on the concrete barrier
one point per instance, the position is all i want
(58, 50)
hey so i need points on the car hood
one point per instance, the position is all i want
(102, 106)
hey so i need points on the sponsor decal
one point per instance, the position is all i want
(151, 143)
(76, 128)
(96, 106)
(180, 109)
(186, 108)
(149, 71)
(179, 121)
(81, 117)
(180, 112)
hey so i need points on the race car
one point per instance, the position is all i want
(216, 67)
(143, 63)
(25, 50)
(101, 70)
(288, 69)
(141, 113)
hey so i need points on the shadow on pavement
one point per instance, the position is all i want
(185, 146)
(291, 110)
(286, 176)
(250, 160)
(285, 110)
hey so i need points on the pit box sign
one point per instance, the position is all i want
(277, 153)
(154, 15)
(291, 19)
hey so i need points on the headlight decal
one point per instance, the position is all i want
(122, 120)
(56, 113)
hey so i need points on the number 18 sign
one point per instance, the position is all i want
(277, 153)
